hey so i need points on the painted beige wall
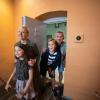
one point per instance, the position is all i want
(83, 59)
(82, 69)
(7, 38)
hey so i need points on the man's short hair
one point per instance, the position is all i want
(60, 32)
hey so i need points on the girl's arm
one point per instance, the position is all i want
(10, 78)
(24, 91)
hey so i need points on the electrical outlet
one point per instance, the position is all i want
(78, 38)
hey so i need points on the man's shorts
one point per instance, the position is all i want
(61, 69)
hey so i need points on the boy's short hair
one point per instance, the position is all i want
(54, 41)
(51, 39)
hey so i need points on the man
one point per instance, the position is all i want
(59, 36)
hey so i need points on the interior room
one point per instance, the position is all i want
(81, 31)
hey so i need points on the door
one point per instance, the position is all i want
(37, 31)
(38, 36)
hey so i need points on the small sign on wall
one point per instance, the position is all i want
(79, 38)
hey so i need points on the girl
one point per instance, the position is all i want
(24, 74)
(50, 60)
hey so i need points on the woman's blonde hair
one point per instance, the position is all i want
(25, 28)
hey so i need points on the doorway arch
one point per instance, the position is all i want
(51, 14)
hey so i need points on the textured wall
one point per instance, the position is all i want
(83, 66)
(7, 37)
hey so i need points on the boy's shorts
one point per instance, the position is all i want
(61, 69)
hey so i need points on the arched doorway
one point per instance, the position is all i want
(55, 21)
(51, 14)
(45, 27)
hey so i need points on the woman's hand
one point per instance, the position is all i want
(31, 62)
